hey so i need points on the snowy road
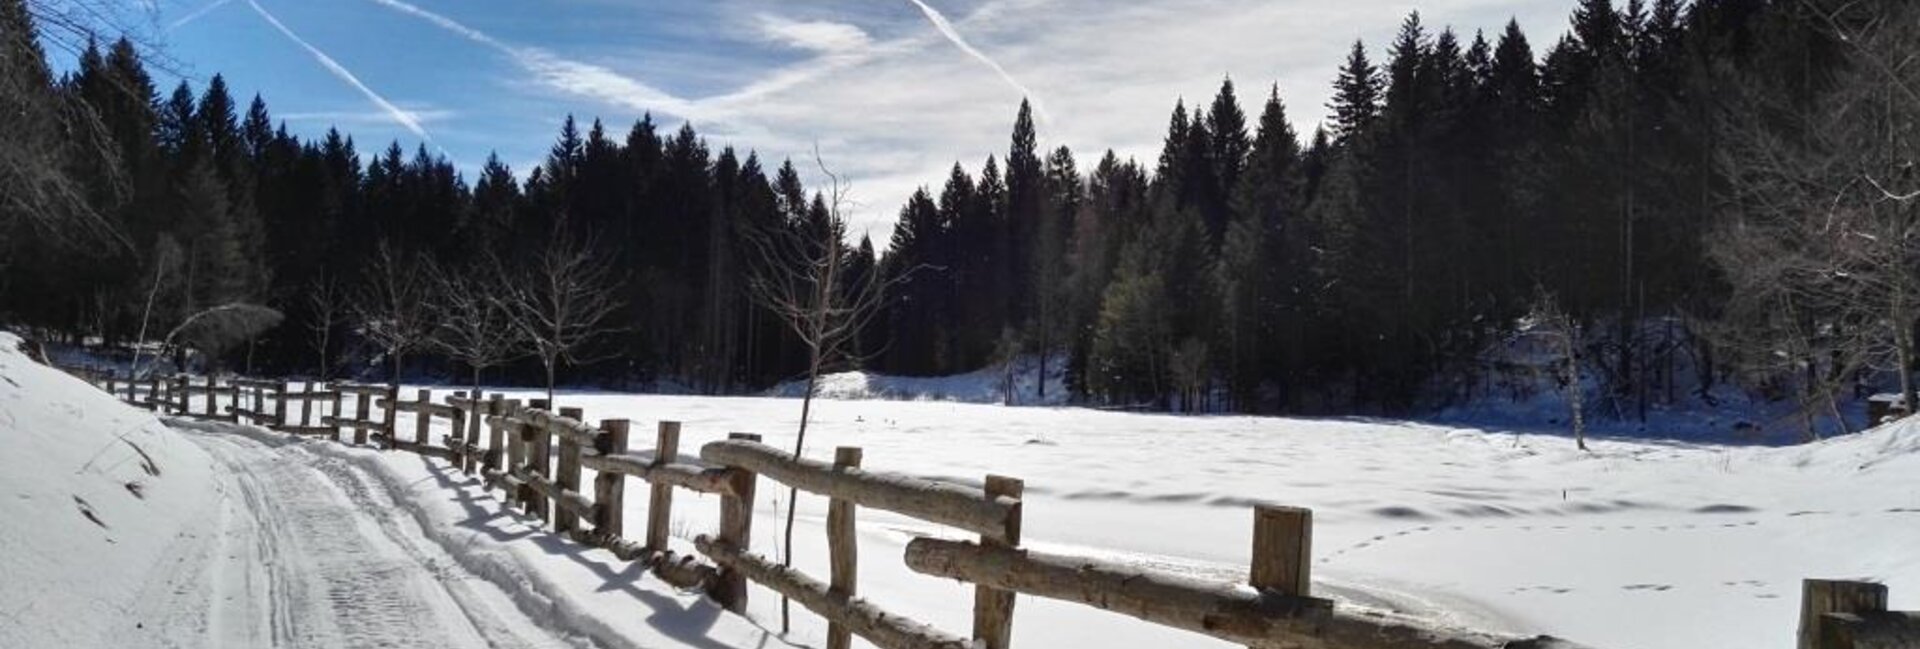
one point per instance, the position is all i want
(309, 551)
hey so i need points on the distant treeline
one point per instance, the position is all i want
(1366, 267)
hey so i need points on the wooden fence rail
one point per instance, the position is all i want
(512, 446)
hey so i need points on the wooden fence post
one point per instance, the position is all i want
(390, 421)
(259, 404)
(566, 475)
(422, 420)
(490, 455)
(180, 395)
(307, 403)
(608, 487)
(992, 607)
(212, 397)
(1282, 550)
(660, 505)
(1819, 597)
(736, 529)
(843, 548)
(501, 444)
(363, 411)
(537, 460)
(280, 419)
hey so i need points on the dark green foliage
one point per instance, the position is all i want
(1364, 271)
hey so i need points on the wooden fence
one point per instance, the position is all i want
(535, 457)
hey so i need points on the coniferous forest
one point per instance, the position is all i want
(1462, 178)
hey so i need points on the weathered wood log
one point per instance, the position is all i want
(1819, 597)
(933, 501)
(993, 607)
(497, 436)
(417, 407)
(363, 411)
(508, 483)
(360, 426)
(1231, 612)
(707, 480)
(682, 571)
(1870, 630)
(660, 498)
(1282, 550)
(567, 500)
(843, 549)
(566, 474)
(736, 530)
(610, 488)
(310, 394)
(360, 389)
(562, 425)
(883, 629)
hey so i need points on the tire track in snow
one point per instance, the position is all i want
(340, 565)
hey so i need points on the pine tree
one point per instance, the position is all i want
(1356, 95)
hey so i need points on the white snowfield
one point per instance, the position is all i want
(122, 532)
(1639, 544)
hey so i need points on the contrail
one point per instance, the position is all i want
(946, 29)
(559, 72)
(403, 117)
(197, 13)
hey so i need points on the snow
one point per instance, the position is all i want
(985, 385)
(1641, 543)
(125, 532)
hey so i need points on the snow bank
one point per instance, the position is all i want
(95, 496)
(986, 385)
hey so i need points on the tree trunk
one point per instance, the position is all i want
(799, 444)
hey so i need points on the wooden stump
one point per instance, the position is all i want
(1818, 597)
(1282, 550)
(843, 548)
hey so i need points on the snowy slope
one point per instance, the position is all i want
(93, 495)
(986, 385)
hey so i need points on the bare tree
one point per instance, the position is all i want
(1822, 240)
(394, 306)
(559, 301)
(326, 309)
(223, 327)
(1565, 339)
(798, 271)
(475, 327)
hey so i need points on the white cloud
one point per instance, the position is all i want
(399, 116)
(891, 107)
(814, 35)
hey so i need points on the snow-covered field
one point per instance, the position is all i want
(1639, 544)
(123, 532)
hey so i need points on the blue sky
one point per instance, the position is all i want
(893, 92)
